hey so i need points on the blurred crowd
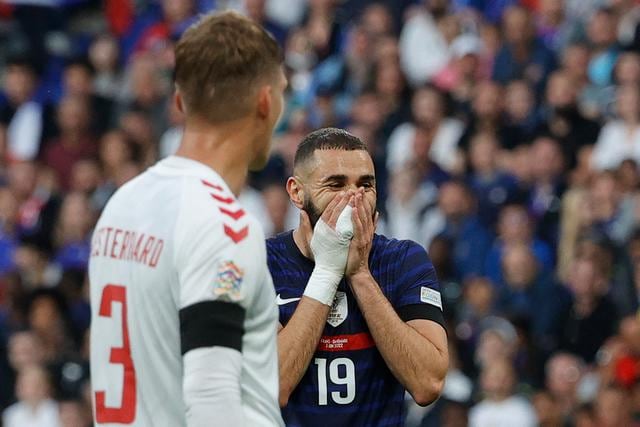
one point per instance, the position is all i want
(506, 139)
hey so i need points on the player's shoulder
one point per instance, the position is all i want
(279, 243)
(384, 246)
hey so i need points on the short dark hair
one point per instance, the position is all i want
(219, 61)
(326, 139)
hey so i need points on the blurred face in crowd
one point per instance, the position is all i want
(519, 266)
(519, 101)
(483, 153)
(73, 115)
(19, 84)
(104, 53)
(601, 29)
(330, 172)
(386, 49)
(255, 9)
(585, 280)
(404, 184)
(78, 80)
(575, 60)
(552, 10)
(367, 110)
(563, 373)
(33, 385)
(628, 103)
(493, 346)
(146, 85)
(44, 315)
(176, 11)
(627, 69)
(389, 79)
(85, 176)
(454, 201)
(561, 91)
(497, 379)
(114, 150)
(76, 216)
(427, 107)
(546, 160)
(487, 102)
(377, 21)
(514, 225)
(517, 26)
(628, 175)
(25, 349)
(604, 196)
(630, 333)
(478, 293)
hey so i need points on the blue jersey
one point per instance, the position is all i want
(348, 382)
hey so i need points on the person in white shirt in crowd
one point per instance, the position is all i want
(428, 109)
(620, 138)
(501, 407)
(35, 407)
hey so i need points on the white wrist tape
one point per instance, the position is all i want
(344, 225)
(330, 249)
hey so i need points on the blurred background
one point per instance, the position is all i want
(506, 137)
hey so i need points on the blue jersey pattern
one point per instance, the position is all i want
(348, 382)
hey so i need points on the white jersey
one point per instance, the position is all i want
(170, 239)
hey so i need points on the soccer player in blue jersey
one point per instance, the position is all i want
(360, 314)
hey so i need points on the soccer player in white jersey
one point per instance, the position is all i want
(184, 320)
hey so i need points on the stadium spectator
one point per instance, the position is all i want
(456, 219)
(492, 186)
(75, 141)
(592, 317)
(500, 406)
(442, 132)
(620, 139)
(35, 406)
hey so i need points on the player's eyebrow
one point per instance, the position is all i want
(367, 178)
(335, 178)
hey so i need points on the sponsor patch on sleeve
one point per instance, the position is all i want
(430, 296)
(228, 281)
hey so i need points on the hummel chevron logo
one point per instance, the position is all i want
(283, 301)
(235, 215)
(225, 200)
(236, 236)
(214, 186)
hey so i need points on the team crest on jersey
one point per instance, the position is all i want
(339, 309)
(227, 284)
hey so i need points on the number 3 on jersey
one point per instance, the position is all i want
(126, 412)
(348, 379)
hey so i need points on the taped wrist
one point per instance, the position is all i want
(330, 250)
(322, 285)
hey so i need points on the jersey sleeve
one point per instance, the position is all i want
(220, 265)
(418, 288)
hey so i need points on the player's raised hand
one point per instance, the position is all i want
(336, 206)
(330, 249)
(364, 226)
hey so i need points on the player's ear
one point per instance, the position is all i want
(296, 192)
(177, 98)
(264, 101)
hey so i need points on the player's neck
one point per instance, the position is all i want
(303, 242)
(225, 149)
